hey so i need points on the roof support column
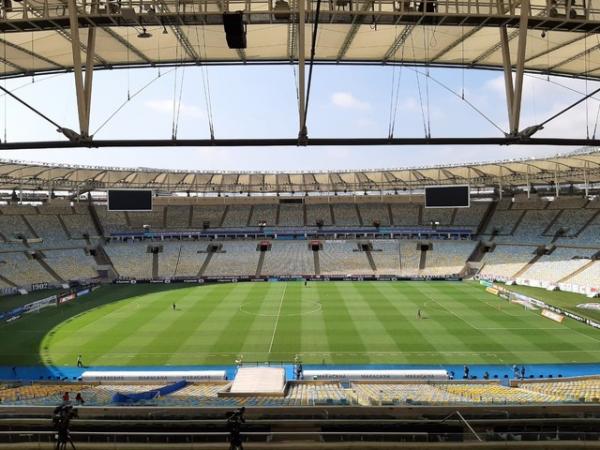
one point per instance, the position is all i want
(522, 47)
(80, 89)
(508, 81)
(514, 91)
(302, 132)
(89, 74)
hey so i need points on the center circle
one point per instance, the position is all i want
(246, 308)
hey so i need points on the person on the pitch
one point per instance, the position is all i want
(419, 316)
(174, 306)
(79, 361)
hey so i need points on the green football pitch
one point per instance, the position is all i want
(330, 322)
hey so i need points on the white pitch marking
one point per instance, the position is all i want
(277, 320)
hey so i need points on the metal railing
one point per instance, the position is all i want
(272, 11)
(44, 439)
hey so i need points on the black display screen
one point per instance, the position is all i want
(129, 200)
(447, 197)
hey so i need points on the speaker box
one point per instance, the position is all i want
(235, 29)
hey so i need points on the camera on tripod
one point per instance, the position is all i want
(61, 420)
(235, 419)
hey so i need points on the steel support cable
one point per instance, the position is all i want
(564, 86)
(109, 118)
(207, 93)
(205, 80)
(36, 111)
(471, 105)
(568, 108)
(178, 111)
(313, 48)
(419, 90)
(397, 101)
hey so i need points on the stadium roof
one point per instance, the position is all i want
(576, 168)
(516, 36)
(37, 37)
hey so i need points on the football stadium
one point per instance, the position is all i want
(435, 303)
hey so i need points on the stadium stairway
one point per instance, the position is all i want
(423, 259)
(389, 213)
(102, 259)
(489, 213)
(225, 211)
(552, 222)
(50, 270)
(518, 222)
(96, 220)
(30, 227)
(577, 272)
(317, 263)
(205, 264)
(591, 220)
(259, 265)
(7, 281)
(155, 265)
(360, 219)
(477, 254)
(527, 266)
(371, 260)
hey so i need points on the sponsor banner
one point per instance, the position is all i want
(67, 298)
(83, 292)
(43, 303)
(191, 280)
(492, 290)
(162, 375)
(591, 306)
(555, 309)
(553, 316)
(376, 374)
(485, 283)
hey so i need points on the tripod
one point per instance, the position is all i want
(62, 439)
(61, 420)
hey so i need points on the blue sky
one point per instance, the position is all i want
(260, 101)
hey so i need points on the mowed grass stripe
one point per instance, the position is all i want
(246, 329)
(219, 306)
(111, 331)
(340, 328)
(528, 340)
(313, 335)
(336, 322)
(287, 340)
(528, 333)
(173, 327)
(397, 312)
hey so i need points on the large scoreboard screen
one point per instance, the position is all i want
(447, 197)
(129, 200)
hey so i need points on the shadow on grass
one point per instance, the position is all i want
(21, 340)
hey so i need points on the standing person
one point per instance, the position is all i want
(174, 306)
(79, 399)
(419, 314)
(65, 397)
(466, 372)
(79, 361)
(305, 282)
(516, 371)
(522, 371)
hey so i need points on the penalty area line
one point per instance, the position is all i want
(277, 320)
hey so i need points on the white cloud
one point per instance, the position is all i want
(348, 101)
(166, 106)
